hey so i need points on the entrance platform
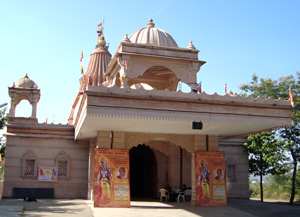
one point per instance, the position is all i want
(84, 208)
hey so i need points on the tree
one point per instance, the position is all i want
(265, 156)
(3, 119)
(266, 87)
(291, 138)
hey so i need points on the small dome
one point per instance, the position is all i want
(153, 36)
(25, 82)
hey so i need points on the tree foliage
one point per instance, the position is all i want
(265, 156)
(3, 119)
(288, 137)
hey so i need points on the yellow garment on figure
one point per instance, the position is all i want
(205, 189)
(105, 188)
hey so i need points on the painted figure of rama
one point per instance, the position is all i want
(204, 180)
(104, 179)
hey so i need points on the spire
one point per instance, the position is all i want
(99, 60)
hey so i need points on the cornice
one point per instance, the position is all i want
(191, 96)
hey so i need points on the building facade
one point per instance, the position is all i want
(130, 101)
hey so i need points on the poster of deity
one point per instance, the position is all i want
(210, 178)
(111, 178)
(47, 174)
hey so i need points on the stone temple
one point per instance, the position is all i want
(130, 101)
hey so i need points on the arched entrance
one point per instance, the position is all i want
(143, 172)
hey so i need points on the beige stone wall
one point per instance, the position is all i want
(46, 149)
(235, 155)
(162, 170)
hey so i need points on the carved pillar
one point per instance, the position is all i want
(33, 113)
(91, 168)
(12, 109)
(12, 104)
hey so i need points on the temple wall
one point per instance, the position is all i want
(46, 150)
(237, 170)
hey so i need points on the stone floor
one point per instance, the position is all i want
(84, 208)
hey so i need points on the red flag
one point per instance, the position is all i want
(126, 64)
(199, 88)
(225, 88)
(291, 97)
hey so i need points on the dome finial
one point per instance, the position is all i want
(126, 39)
(101, 41)
(191, 46)
(150, 24)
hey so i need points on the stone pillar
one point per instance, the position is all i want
(33, 113)
(12, 109)
(118, 140)
(104, 139)
(200, 142)
(174, 167)
(193, 178)
(91, 168)
(213, 143)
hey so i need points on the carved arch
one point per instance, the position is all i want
(185, 141)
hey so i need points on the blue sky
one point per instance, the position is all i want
(235, 38)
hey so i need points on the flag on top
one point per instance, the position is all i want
(81, 64)
(100, 30)
(225, 88)
(291, 97)
(199, 87)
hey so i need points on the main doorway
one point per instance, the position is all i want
(143, 173)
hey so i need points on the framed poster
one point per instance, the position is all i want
(47, 174)
(111, 178)
(210, 178)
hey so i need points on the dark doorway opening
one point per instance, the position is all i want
(143, 173)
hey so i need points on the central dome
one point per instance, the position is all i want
(153, 36)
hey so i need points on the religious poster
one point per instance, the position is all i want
(210, 178)
(47, 174)
(111, 178)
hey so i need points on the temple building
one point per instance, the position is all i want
(130, 101)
